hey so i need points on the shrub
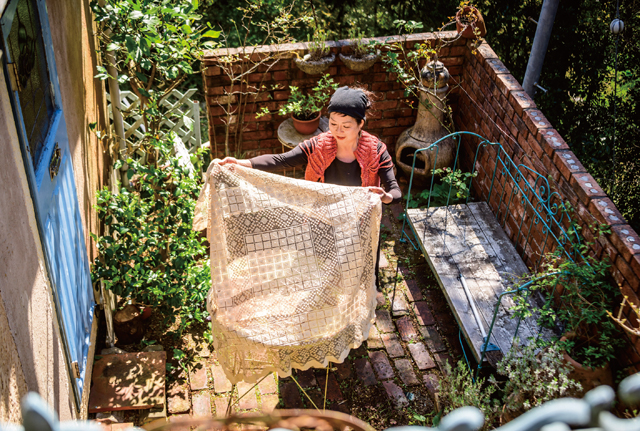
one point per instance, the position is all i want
(458, 389)
(150, 253)
(532, 379)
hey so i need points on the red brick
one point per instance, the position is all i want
(421, 356)
(381, 365)
(627, 273)
(389, 104)
(405, 369)
(290, 395)
(551, 141)
(586, 187)
(536, 122)
(333, 388)
(567, 163)
(432, 383)
(382, 123)
(306, 378)
(605, 212)
(396, 395)
(392, 344)
(198, 377)
(520, 101)
(406, 329)
(201, 404)
(626, 241)
(365, 372)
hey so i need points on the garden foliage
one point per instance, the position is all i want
(151, 254)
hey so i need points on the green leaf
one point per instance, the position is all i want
(212, 33)
(136, 14)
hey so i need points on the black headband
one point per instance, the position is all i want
(349, 101)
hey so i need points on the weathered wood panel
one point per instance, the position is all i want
(467, 240)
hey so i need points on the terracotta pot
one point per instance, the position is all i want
(467, 30)
(589, 378)
(306, 127)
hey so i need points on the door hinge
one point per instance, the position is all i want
(75, 369)
(13, 77)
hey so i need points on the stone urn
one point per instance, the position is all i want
(428, 128)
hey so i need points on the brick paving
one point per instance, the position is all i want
(402, 360)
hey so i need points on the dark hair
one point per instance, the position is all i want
(369, 95)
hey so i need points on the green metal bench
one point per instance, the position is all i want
(476, 264)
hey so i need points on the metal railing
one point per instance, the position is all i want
(518, 196)
(590, 412)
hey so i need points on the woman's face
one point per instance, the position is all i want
(344, 127)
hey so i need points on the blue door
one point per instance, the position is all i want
(29, 64)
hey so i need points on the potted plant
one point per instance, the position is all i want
(364, 55)
(305, 109)
(579, 297)
(319, 57)
(469, 21)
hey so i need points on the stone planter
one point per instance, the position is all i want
(314, 67)
(359, 64)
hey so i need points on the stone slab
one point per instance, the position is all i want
(220, 381)
(269, 402)
(392, 344)
(381, 364)
(380, 299)
(421, 356)
(248, 401)
(396, 395)
(365, 372)
(178, 399)
(268, 385)
(400, 304)
(373, 340)
(383, 321)
(128, 381)
(201, 404)
(405, 370)
(406, 329)
(198, 377)
(221, 404)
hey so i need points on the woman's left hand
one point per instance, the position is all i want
(385, 197)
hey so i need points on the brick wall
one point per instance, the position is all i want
(489, 101)
(493, 104)
(388, 118)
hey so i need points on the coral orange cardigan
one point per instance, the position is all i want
(321, 152)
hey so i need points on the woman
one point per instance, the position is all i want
(345, 155)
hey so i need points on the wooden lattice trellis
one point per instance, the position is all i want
(177, 106)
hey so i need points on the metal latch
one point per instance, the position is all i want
(75, 369)
(54, 164)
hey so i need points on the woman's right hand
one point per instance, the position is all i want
(234, 161)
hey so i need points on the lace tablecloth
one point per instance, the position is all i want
(292, 269)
